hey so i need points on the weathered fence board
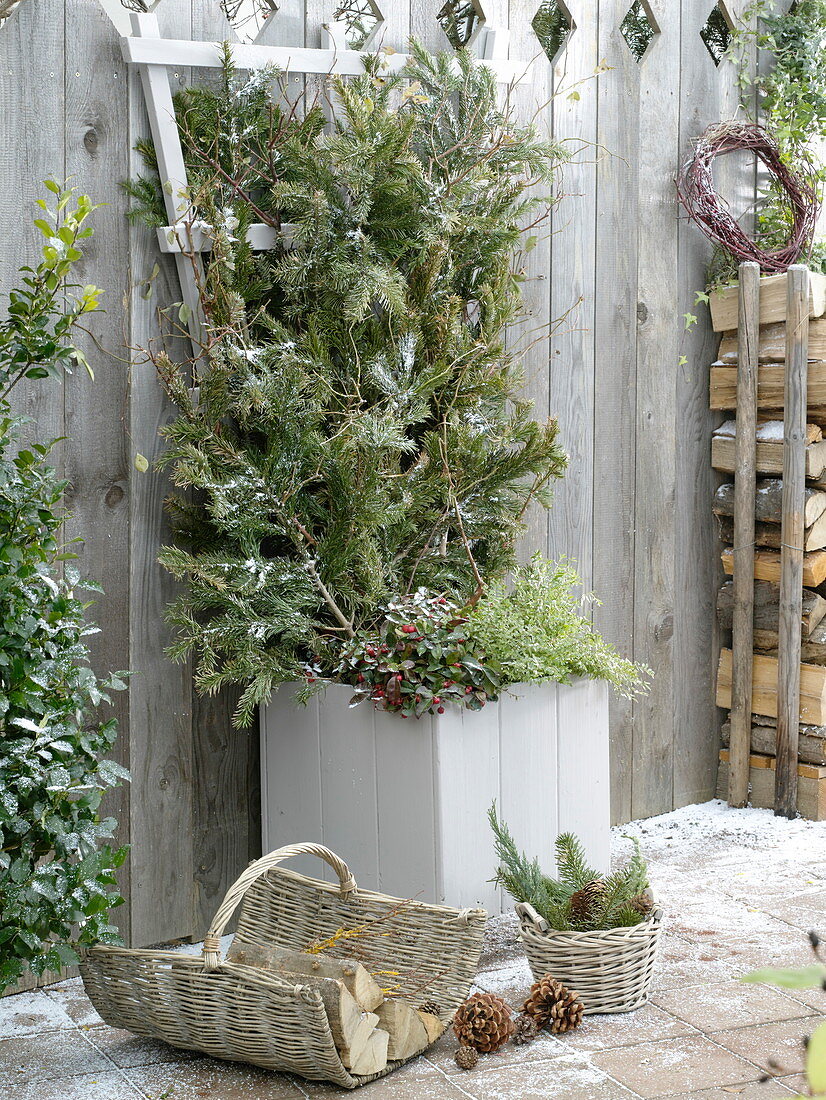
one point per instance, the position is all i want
(634, 509)
(615, 339)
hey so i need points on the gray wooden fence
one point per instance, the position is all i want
(633, 510)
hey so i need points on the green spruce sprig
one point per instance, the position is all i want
(613, 904)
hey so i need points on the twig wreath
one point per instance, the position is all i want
(696, 191)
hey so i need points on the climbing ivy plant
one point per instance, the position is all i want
(57, 873)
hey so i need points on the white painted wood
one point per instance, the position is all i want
(467, 782)
(171, 168)
(529, 777)
(406, 802)
(583, 768)
(406, 795)
(207, 55)
(291, 807)
(197, 237)
(348, 784)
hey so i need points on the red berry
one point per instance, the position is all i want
(360, 679)
(370, 651)
(436, 699)
(468, 690)
(441, 710)
(408, 629)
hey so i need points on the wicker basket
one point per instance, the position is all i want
(245, 1014)
(610, 970)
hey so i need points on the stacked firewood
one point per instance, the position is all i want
(768, 514)
(369, 1027)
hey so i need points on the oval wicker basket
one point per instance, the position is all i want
(244, 1014)
(610, 970)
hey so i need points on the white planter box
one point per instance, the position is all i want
(405, 802)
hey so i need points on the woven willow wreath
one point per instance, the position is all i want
(695, 188)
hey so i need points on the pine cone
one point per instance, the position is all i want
(643, 903)
(553, 1005)
(466, 1057)
(483, 1021)
(433, 1008)
(526, 1029)
(583, 901)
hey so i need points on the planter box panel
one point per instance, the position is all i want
(291, 780)
(407, 826)
(584, 793)
(529, 777)
(348, 782)
(468, 745)
(405, 802)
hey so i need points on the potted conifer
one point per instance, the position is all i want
(363, 461)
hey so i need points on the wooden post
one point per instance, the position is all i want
(792, 531)
(742, 644)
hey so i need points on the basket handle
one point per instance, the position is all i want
(526, 913)
(211, 953)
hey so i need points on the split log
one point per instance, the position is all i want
(811, 742)
(408, 1035)
(352, 974)
(724, 303)
(768, 501)
(772, 345)
(767, 566)
(768, 455)
(812, 709)
(434, 1027)
(770, 387)
(372, 1058)
(811, 785)
(769, 534)
(766, 608)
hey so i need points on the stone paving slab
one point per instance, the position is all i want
(738, 890)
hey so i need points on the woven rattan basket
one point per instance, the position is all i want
(245, 1014)
(610, 970)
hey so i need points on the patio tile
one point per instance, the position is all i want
(797, 1084)
(681, 964)
(803, 910)
(416, 1081)
(128, 1050)
(58, 1054)
(812, 998)
(99, 1086)
(511, 982)
(783, 1042)
(209, 1077)
(31, 1014)
(729, 1004)
(765, 1090)
(673, 1067)
(71, 997)
(544, 1047)
(603, 1032)
(566, 1077)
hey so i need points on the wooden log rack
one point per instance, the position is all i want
(777, 531)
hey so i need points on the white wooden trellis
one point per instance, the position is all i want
(153, 55)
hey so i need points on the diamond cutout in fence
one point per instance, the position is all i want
(7, 7)
(461, 21)
(552, 25)
(118, 11)
(716, 34)
(639, 29)
(248, 17)
(361, 19)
